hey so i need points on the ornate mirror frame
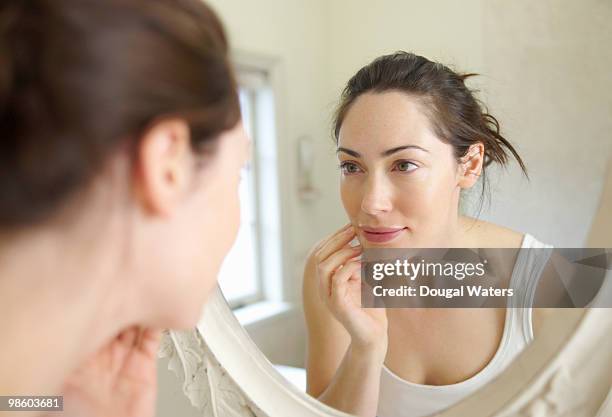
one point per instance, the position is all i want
(567, 371)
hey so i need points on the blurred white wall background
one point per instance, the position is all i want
(547, 77)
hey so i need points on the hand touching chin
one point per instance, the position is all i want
(120, 380)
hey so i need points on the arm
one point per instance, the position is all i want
(343, 371)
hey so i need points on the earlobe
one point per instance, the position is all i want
(164, 162)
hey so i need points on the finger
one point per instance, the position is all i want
(325, 271)
(123, 344)
(324, 242)
(337, 259)
(335, 243)
(341, 277)
(342, 287)
(150, 340)
(369, 300)
(128, 336)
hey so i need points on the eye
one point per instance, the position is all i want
(349, 168)
(405, 166)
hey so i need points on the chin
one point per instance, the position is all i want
(185, 319)
(389, 245)
(184, 313)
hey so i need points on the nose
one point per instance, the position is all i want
(376, 197)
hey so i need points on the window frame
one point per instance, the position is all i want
(257, 75)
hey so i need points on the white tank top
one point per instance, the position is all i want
(401, 398)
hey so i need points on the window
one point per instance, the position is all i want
(252, 267)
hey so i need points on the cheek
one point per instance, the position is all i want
(350, 195)
(228, 209)
(425, 196)
(213, 228)
(215, 219)
(224, 211)
(234, 189)
(224, 198)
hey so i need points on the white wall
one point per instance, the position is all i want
(548, 64)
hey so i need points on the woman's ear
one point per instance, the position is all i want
(164, 166)
(470, 165)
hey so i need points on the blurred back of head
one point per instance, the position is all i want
(81, 80)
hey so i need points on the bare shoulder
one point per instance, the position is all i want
(483, 234)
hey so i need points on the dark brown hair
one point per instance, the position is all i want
(81, 79)
(456, 116)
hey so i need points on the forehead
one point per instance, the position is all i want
(379, 121)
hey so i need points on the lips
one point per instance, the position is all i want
(381, 234)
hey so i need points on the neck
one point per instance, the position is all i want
(53, 291)
(454, 232)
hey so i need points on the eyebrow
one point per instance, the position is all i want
(384, 153)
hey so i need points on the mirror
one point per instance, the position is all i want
(227, 375)
(544, 76)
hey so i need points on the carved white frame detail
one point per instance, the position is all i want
(566, 371)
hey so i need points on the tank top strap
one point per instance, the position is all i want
(531, 260)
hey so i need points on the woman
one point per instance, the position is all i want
(410, 139)
(121, 153)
